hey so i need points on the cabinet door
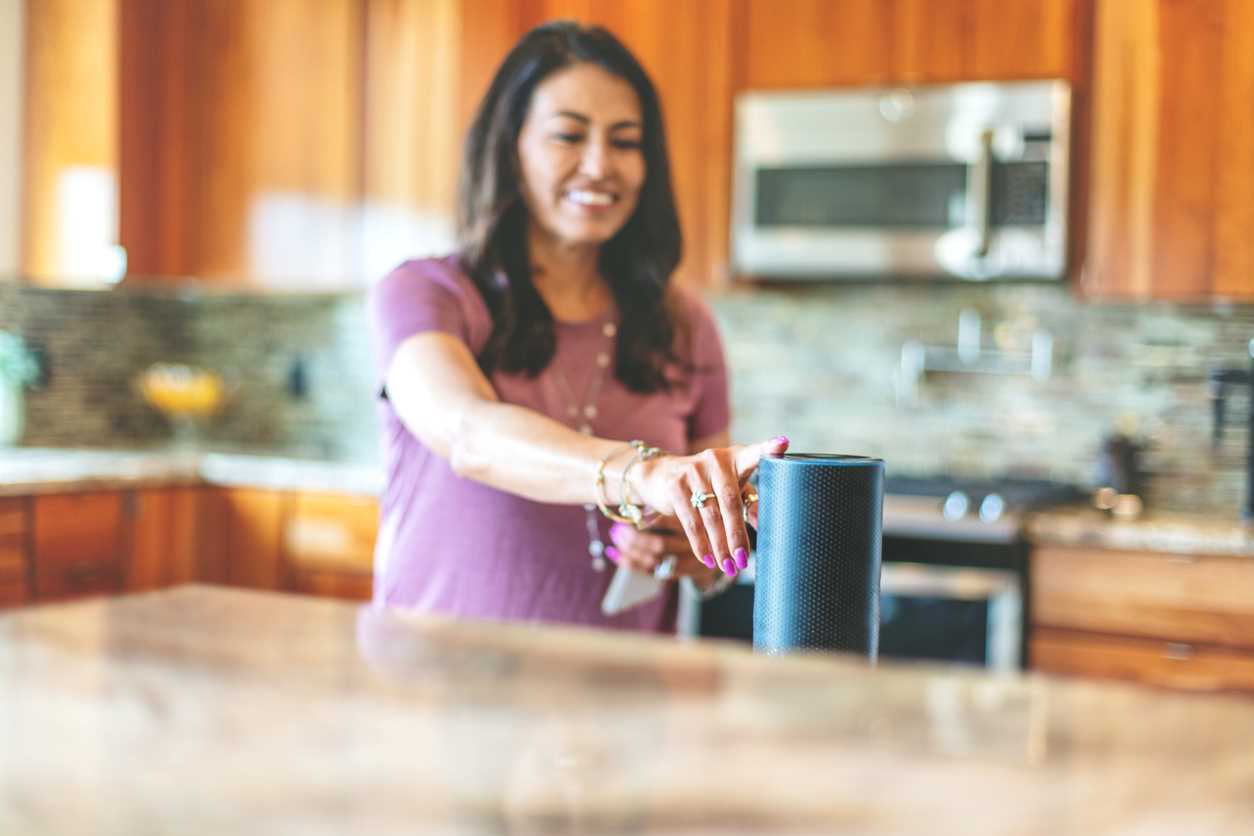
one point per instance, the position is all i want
(1176, 665)
(1205, 599)
(329, 544)
(78, 544)
(836, 43)
(241, 542)
(163, 541)
(1172, 186)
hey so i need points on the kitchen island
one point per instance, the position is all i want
(209, 710)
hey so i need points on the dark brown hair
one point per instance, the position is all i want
(636, 263)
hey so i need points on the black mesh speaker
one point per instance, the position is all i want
(818, 557)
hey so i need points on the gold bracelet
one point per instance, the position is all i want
(603, 502)
(634, 511)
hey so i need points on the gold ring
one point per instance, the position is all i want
(699, 498)
(747, 498)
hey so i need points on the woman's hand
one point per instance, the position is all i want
(643, 551)
(704, 492)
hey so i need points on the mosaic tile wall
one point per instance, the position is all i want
(822, 364)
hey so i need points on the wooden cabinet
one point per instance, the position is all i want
(1184, 621)
(14, 551)
(1172, 183)
(242, 544)
(163, 537)
(78, 544)
(329, 544)
(833, 43)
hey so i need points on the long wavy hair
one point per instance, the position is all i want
(492, 218)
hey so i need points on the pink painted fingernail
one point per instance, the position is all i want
(742, 558)
(617, 530)
(612, 553)
(708, 560)
(729, 567)
(780, 439)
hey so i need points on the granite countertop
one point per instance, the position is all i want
(212, 710)
(45, 470)
(1155, 531)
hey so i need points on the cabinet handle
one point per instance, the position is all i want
(1178, 651)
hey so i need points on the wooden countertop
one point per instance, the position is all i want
(203, 709)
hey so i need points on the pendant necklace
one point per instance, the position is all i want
(580, 413)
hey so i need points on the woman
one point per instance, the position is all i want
(514, 371)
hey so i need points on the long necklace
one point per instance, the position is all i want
(580, 413)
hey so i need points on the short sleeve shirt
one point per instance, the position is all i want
(454, 546)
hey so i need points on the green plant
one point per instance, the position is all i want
(18, 366)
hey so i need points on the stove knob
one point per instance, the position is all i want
(992, 508)
(956, 505)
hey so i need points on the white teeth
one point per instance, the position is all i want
(590, 198)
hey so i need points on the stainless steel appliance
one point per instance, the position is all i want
(964, 180)
(954, 583)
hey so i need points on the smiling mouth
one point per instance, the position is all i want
(584, 197)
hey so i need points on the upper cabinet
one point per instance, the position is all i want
(1172, 185)
(832, 43)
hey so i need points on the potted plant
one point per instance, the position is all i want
(18, 369)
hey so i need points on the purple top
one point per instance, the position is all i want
(454, 546)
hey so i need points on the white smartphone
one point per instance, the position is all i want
(629, 589)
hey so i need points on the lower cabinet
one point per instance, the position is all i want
(1179, 621)
(78, 543)
(63, 546)
(14, 551)
(329, 544)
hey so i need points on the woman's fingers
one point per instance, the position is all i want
(692, 524)
(747, 457)
(704, 482)
(725, 485)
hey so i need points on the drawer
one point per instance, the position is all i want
(13, 594)
(69, 529)
(12, 559)
(14, 521)
(78, 580)
(1165, 664)
(1207, 599)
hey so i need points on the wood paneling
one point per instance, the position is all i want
(814, 43)
(1208, 598)
(69, 133)
(13, 516)
(1165, 664)
(1172, 190)
(350, 586)
(78, 543)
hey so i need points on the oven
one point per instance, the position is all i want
(954, 580)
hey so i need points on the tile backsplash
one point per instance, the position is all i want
(822, 364)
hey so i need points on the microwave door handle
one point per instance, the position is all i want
(979, 184)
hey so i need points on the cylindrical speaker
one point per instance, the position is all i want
(818, 554)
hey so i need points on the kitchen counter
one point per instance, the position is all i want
(35, 470)
(203, 709)
(38, 470)
(1157, 532)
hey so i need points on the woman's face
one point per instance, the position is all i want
(580, 155)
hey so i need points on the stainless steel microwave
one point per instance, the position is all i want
(964, 180)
